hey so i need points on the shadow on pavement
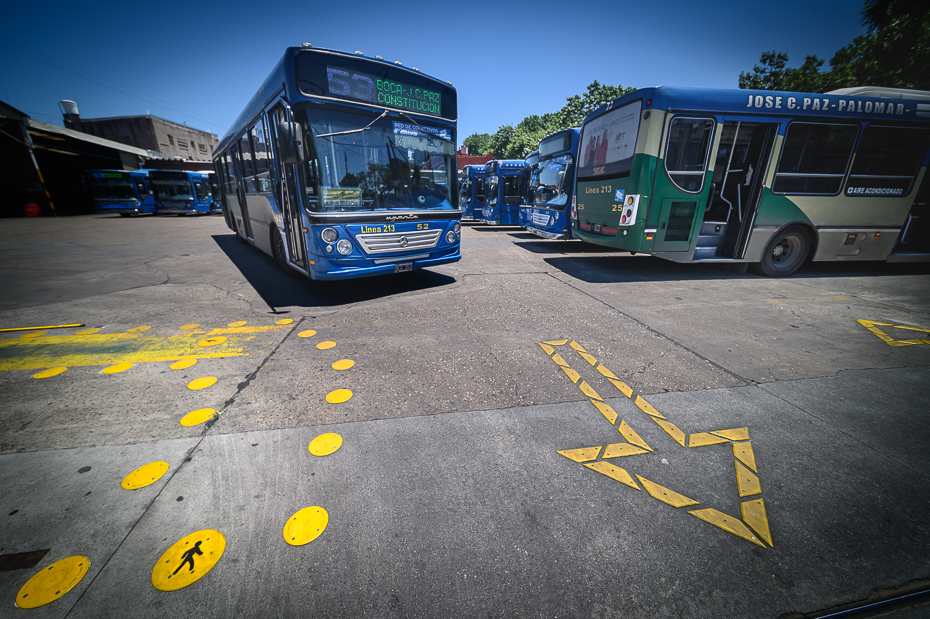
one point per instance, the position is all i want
(279, 289)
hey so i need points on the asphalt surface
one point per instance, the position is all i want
(449, 494)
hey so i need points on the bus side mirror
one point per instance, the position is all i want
(290, 144)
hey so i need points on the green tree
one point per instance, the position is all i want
(577, 107)
(478, 143)
(500, 141)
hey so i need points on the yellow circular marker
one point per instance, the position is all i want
(116, 369)
(49, 372)
(32, 334)
(343, 364)
(201, 383)
(52, 582)
(198, 416)
(325, 444)
(338, 396)
(138, 329)
(88, 332)
(212, 341)
(307, 333)
(305, 526)
(284, 321)
(192, 325)
(183, 364)
(238, 323)
(188, 560)
(144, 475)
(326, 345)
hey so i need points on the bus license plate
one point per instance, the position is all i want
(403, 267)
(596, 227)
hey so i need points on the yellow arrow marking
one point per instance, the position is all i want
(727, 523)
(664, 494)
(52, 582)
(188, 560)
(614, 472)
(145, 475)
(873, 327)
(618, 450)
(632, 437)
(325, 444)
(700, 439)
(305, 526)
(743, 453)
(754, 516)
(746, 481)
(606, 411)
(583, 454)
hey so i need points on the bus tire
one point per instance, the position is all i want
(278, 252)
(786, 252)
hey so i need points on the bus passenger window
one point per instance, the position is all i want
(689, 141)
(814, 158)
(887, 160)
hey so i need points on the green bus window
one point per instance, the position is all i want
(814, 158)
(689, 142)
(887, 160)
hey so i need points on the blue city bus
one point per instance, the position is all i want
(531, 173)
(344, 166)
(183, 192)
(767, 179)
(505, 187)
(126, 192)
(553, 188)
(471, 191)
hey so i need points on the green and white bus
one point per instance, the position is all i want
(765, 178)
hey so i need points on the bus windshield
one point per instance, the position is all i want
(114, 189)
(172, 190)
(389, 165)
(553, 181)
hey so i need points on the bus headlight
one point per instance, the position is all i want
(456, 227)
(344, 247)
(450, 237)
(330, 235)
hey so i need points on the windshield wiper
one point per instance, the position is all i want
(326, 135)
(419, 130)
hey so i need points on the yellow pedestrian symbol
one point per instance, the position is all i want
(188, 560)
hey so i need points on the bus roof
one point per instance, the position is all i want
(914, 107)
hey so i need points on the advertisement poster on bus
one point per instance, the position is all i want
(610, 138)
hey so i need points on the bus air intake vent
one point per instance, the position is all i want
(382, 243)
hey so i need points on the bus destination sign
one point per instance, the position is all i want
(382, 92)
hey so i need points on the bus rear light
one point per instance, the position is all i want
(628, 214)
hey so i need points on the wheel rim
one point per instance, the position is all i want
(786, 251)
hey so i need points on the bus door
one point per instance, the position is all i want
(680, 191)
(288, 197)
(736, 186)
(240, 194)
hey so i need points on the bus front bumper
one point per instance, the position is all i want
(557, 236)
(326, 270)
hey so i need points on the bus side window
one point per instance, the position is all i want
(198, 188)
(689, 141)
(248, 164)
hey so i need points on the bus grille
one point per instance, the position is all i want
(541, 219)
(399, 241)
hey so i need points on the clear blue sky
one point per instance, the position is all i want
(200, 62)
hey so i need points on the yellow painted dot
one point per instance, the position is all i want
(343, 364)
(326, 345)
(115, 369)
(305, 526)
(238, 323)
(88, 332)
(325, 444)
(183, 364)
(49, 372)
(52, 582)
(338, 396)
(307, 333)
(192, 325)
(198, 416)
(144, 475)
(202, 383)
(188, 560)
(212, 341)
(32, 334)
(284, 321)
(138, 329)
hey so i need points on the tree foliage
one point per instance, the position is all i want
(510, 142)
(893, 53)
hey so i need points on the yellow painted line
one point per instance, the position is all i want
(872, 326)
(747, 482)
(338, 396)
(647, 408)
(305, 526)
(672, 430)
(549, 349)
(735, 434)
(238, 323)
(343, 364)
(701, 439)
(614, 472)
(326, 345)
(743, 453)
(307, 333)
(727, 523)
(606, 410)
(583, 454)
(145, 475)
(632, 437)
(188, 560)
(325, 444)
(52, 582)
(665, 495)
(572, 374)
(116, 369)
(589, 391)
(183, 364)
(80, 324)
(754, 515)
(197, 417)
(202, 383)
(49, 373)
(619, 450)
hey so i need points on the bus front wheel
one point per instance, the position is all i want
(786, 252)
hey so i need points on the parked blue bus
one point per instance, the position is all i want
(344, 166)
(126, 192)
(182, 192)
(549, 207)
(505, 185)
(531, 173)
(471, 191)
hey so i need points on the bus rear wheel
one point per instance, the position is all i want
(786, 252)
